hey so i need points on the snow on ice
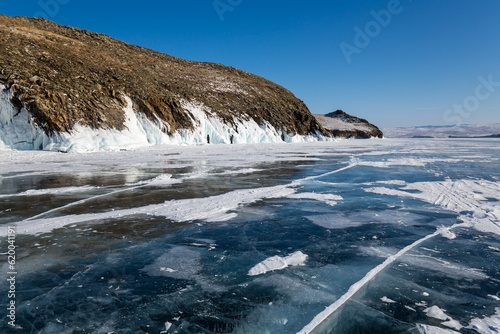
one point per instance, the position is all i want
(278, 263)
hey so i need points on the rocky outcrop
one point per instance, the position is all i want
(341, 124)
(64, 76)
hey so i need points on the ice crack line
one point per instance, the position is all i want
(368, 277)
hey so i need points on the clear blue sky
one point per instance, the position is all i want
(413, 71)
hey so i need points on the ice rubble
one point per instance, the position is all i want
(426, 329)
(18, 131)
(437, 313)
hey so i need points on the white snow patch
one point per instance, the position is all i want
(51, 191)
(278, 263)
(469, 198)
(160, 181)
(487, 325)
(436, 313)
(494, 297)
(387, 300)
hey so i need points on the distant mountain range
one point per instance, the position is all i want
(445, 131)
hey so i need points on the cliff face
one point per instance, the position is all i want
(65, 76)
(341, 124)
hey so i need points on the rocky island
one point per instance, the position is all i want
(63, 88)
(341, 124)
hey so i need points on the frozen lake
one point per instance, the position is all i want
(354, 236)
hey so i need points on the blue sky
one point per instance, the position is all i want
(421, 63)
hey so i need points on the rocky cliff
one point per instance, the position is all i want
(63, 87)
(65, 76)
(341, 124)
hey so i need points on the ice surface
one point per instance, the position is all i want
(278, 263)
(334, 221)
(171, 265)
(329, 199)
(360, 284)
(364, 217)
(451, 269)
(179, 262)
(211, 209)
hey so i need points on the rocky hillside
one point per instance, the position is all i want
(341, 124)
(64, 76)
